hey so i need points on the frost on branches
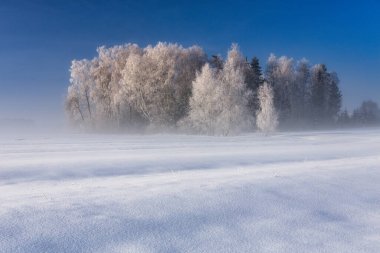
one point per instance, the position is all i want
(158, 82)
(267, 119)
(168, 86)
(220, 99)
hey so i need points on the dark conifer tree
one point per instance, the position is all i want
(319, 79)
(326, 97)
(367, 114)
(216, 62)
(254, 79)
(334, 98)
(257, 73)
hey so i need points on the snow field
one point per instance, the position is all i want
(290, 192)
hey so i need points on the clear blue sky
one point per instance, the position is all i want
(38, 39)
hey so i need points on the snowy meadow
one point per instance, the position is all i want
(189, 126)
(289, 192)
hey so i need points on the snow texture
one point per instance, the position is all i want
(289, 192)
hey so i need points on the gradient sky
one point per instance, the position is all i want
(38, 40)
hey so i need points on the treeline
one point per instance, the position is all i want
(168, 86)
(366, 115)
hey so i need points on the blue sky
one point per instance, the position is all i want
(38, 40)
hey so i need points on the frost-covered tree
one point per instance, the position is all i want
(112, 107)
(80, 106)
(101, 72)
(72, 106)
(301, 94)
(117, 56)
(131, 87)
(205, 106)
(158, 82)
(266, 119)
(280, 75)
(219, 102)
(236, 116)
(96, 84)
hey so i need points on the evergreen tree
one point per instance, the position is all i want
(280, 75)
(326, 98)
(367, 114)
(334, 97)
(319, 79)
(216, 62)
(344, 119)
(255, 76)
(254, 80)
(299, 93)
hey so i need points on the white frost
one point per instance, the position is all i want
(291, 192)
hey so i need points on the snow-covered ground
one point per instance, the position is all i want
(291, 192)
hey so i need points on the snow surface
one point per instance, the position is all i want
(290, 192)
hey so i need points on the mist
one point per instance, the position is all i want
(167, 149)
(170, 88)
(189, 126)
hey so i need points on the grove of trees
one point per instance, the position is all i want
(366, 115)
(170, 87)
